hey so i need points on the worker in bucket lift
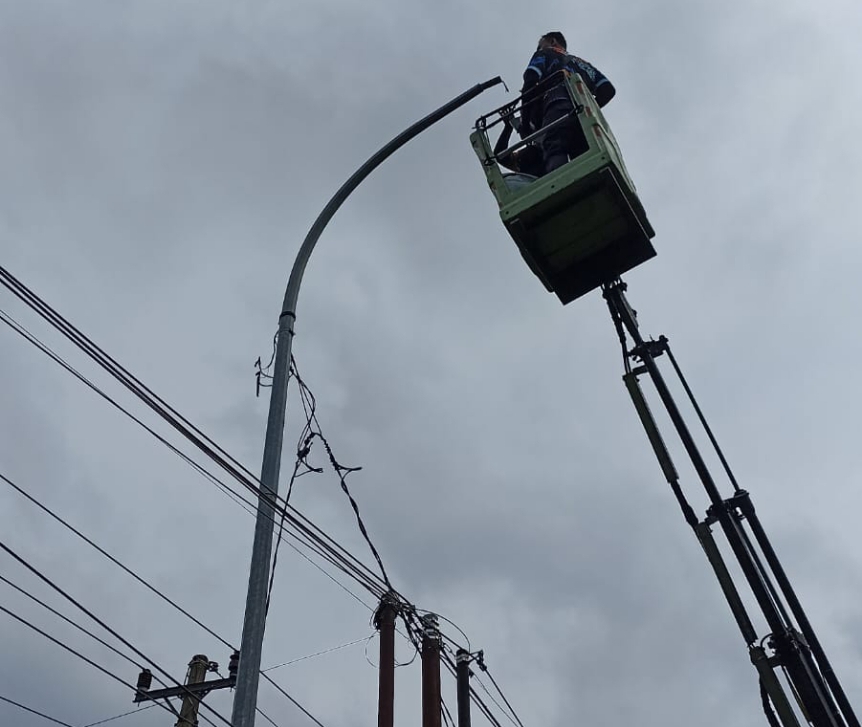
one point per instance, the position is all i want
(544, 106)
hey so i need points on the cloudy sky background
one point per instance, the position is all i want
(160, 163)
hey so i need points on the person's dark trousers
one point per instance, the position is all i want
(565, 141)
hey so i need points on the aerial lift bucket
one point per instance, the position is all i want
(582, 225)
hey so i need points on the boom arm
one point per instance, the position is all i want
(790, 647)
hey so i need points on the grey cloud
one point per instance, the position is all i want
(162, 162)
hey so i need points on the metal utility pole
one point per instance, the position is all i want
(462, 677)
(198, 668)
(431, 697)
(384, 620)
(245, 699)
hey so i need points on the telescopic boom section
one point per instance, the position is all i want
(788, 656)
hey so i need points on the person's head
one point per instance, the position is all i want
(554, 39)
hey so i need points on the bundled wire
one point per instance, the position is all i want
(313, 431)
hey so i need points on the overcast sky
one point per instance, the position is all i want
(160, 163)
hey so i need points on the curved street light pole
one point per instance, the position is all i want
(245, 699)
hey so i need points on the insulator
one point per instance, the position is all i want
(145, 680)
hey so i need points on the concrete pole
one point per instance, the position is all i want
(198, 668)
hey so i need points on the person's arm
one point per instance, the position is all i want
(604, 92)
(505, 135)
(529, 106)
(601, 88)
(510, 160)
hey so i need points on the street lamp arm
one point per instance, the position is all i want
(292, 292)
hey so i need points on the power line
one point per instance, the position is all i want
(130, 572)
(266, 717)
(500, 692)
(72, 651)
(307, 533)
(316, 541)
(81, 629)
(101, 623)
(447, 715)
(150, 398)
(120, 716)
(292, 700)
(474, 696)
(71, 622)
(319, 653)
(34, 711)
(111, 558)
(492, 698)
(144, 582)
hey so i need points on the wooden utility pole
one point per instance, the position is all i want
(384, 620)
(431, 697)
(198, 668)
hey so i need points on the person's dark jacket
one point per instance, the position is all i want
(543, 65)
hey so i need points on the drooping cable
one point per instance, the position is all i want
(315, 430)
(279, 537)
(317, 653)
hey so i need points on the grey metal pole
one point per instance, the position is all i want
(248, 676)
